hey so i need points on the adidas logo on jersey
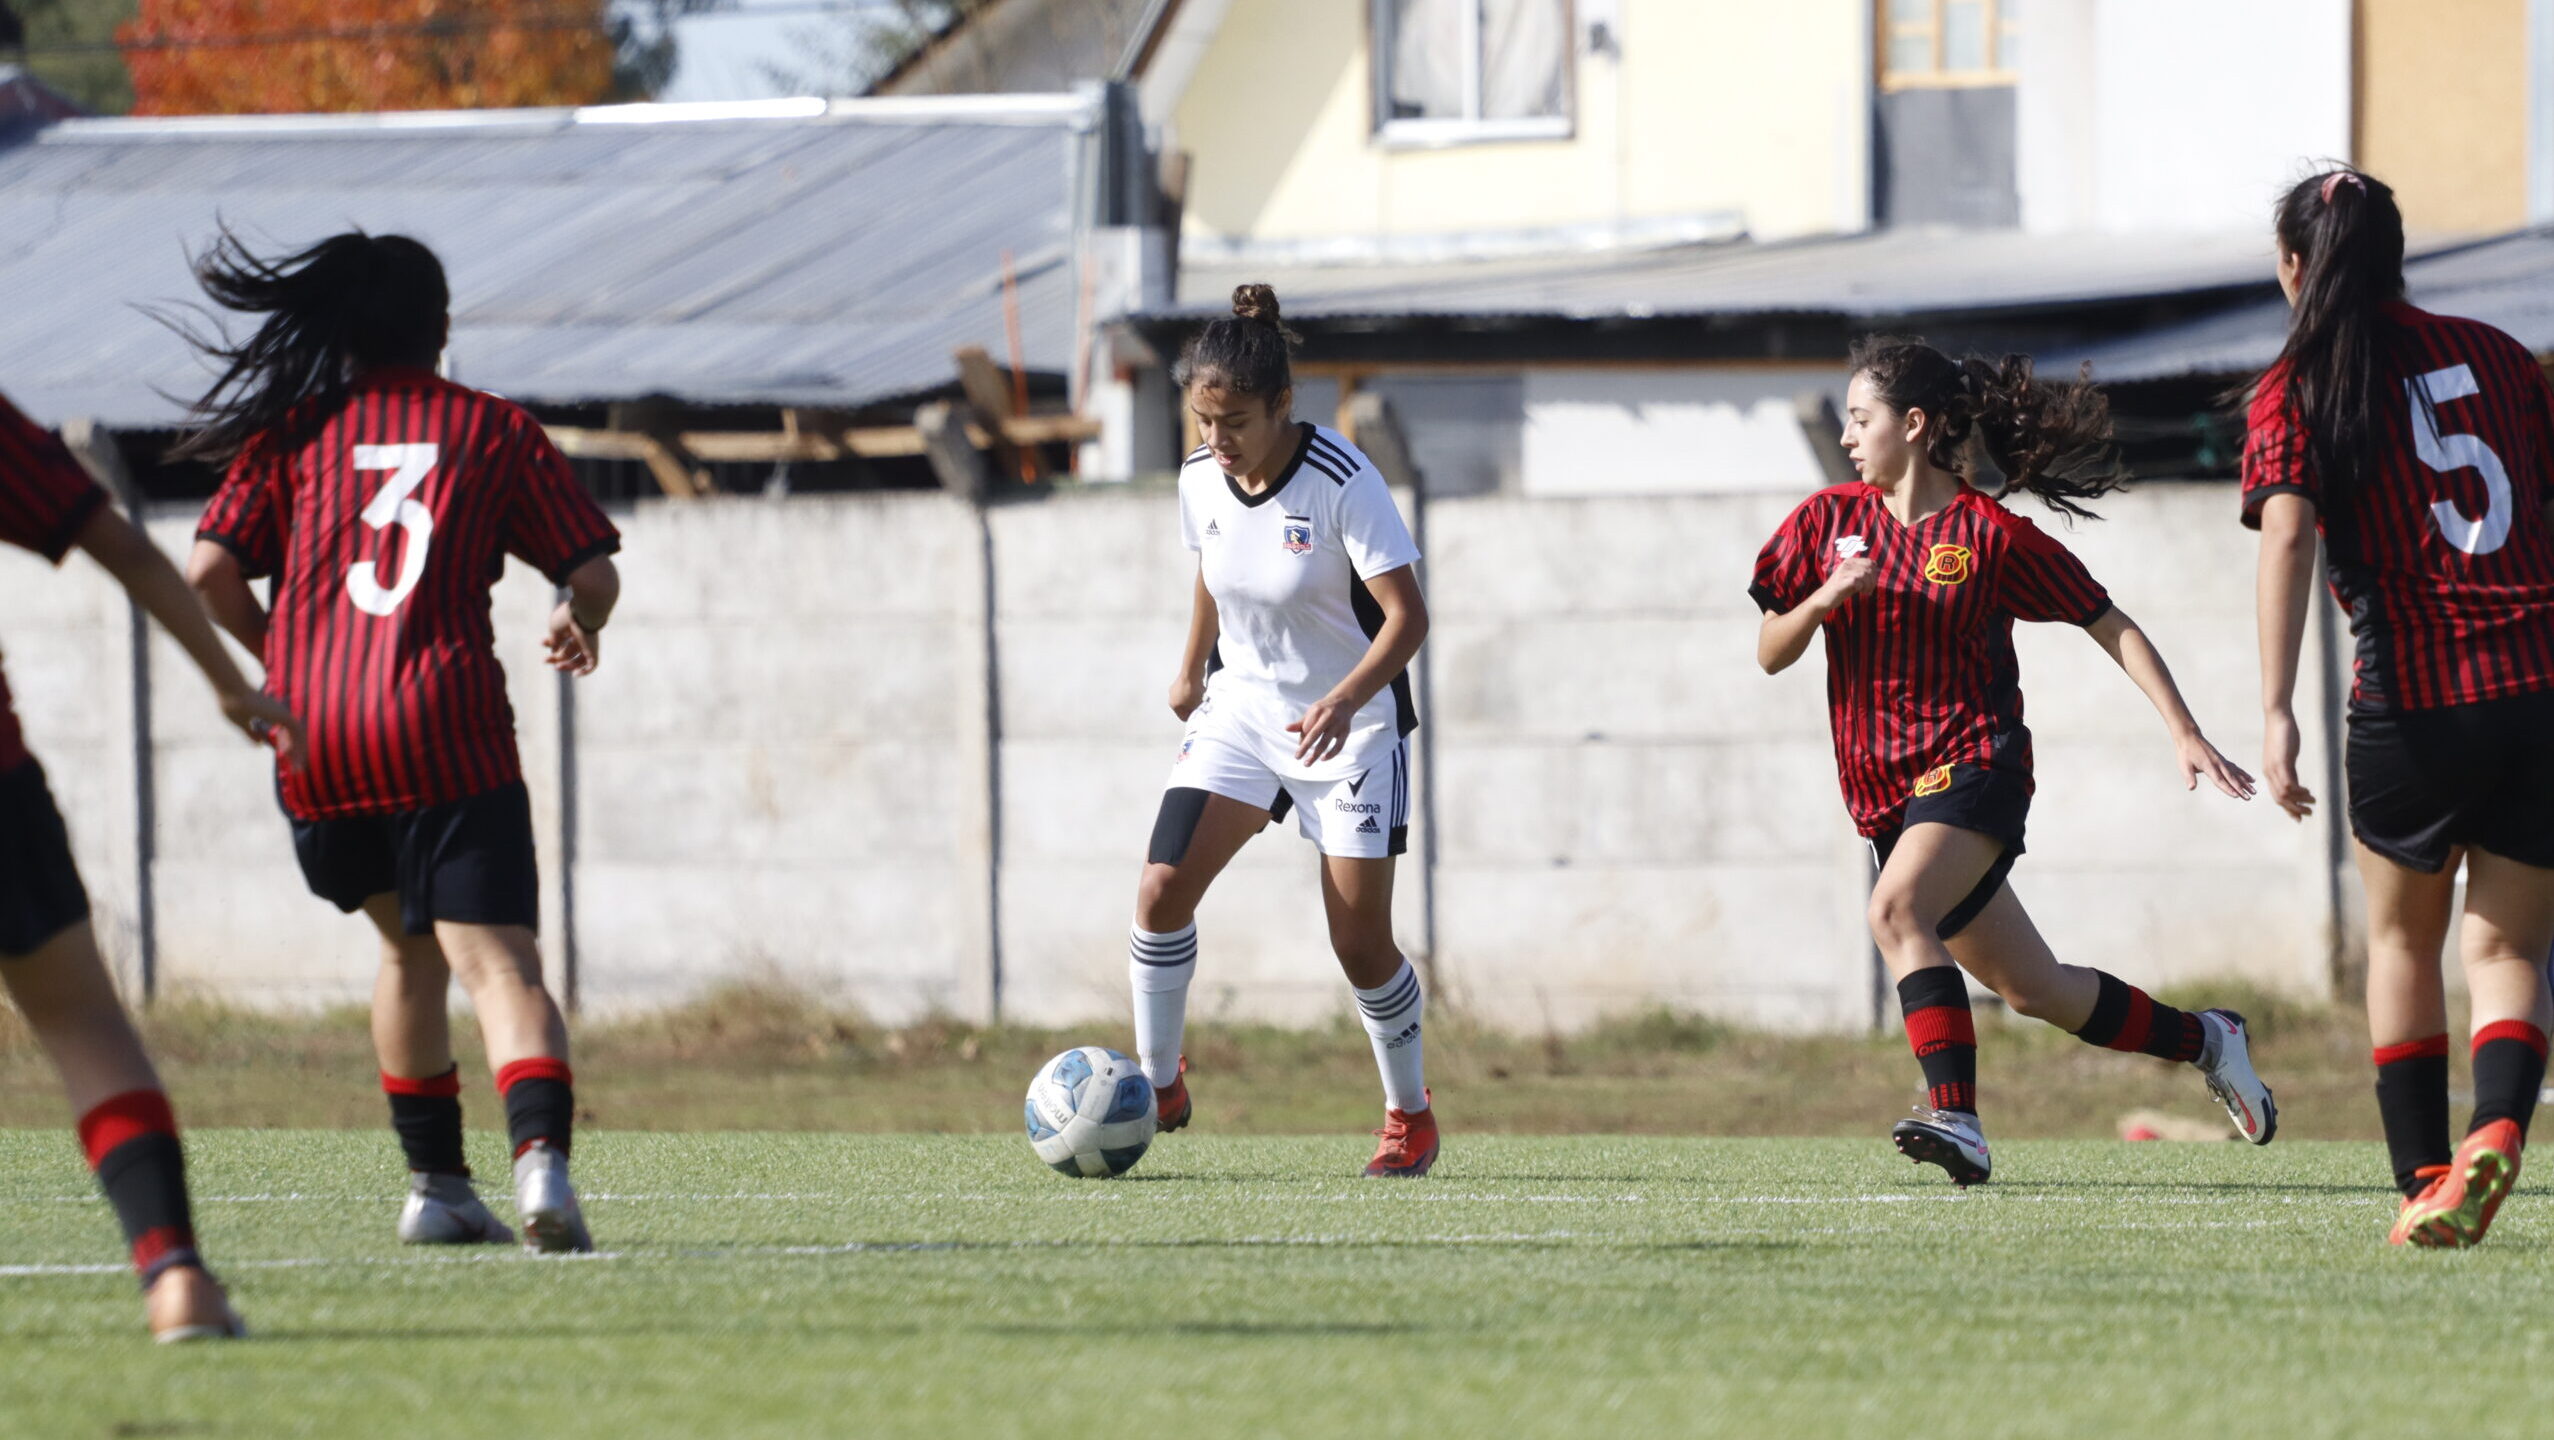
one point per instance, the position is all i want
(1369, 827)
(1213, 530)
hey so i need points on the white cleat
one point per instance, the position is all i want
(1951, 1139)
(447, 1210)
(2227, 1062)
(545, 1204)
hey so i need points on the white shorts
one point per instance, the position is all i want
(1355, 805)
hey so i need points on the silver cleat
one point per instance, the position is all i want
(2227, 1062)
(1951, 1139)
(446, 1210)
(545, 1204)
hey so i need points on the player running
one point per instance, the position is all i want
(2421, 448)
(1296, 691)
(384, 501)
(1916, 577)
(48, 953)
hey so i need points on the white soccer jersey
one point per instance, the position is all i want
(1288, 570)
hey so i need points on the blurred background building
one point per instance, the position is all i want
(864, 324)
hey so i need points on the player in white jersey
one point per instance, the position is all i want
(1296, 690)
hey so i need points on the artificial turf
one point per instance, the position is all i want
(816, 1284)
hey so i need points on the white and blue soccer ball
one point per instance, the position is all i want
(1090, 1113)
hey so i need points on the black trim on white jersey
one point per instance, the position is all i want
(1302, 448)
(1200, 453)
(1329, 460)
(1369, 613)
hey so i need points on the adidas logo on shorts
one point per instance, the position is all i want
(1369, 827)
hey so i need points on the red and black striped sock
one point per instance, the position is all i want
(1943, 1035)
(132, 1144)
(2412, 1101)
(2128, 1019)
(427, 1115)
(2509, 1069)
(540, 1102)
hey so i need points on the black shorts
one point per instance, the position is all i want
(468, 861)
(2424, 782)
(40, 891)
(1994, 801)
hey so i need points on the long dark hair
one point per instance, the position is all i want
(2052, 440)
(2347, 234)
(1251, 353)
(350, 300)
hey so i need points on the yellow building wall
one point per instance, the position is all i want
(1715, 106)
(2443, 109)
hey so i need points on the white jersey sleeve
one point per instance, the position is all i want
(1187, 512)
(1370, 526)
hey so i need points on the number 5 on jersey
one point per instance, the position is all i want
(390, 505)
(2443, 453)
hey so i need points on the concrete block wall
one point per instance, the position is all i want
(789, 767)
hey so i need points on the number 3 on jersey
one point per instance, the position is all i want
(390, 505)
(2444, 453)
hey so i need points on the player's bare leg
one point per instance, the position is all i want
(71, 1006)
(1356, 898)
(412, 1040)
(1930, 871)
(500, 968)
(1196, 836)
(2509, 923)
(2408, 917)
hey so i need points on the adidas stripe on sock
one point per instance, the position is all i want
(1158, 968)
(1391, 1015)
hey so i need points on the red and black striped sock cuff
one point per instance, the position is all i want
(433, 1087)
(1938, 1027)
(118, 1119)
(2432, 1047)
(538, 1067)
(2519, 1030)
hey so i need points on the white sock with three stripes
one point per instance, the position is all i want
(1159, 967)
(1391, 1013)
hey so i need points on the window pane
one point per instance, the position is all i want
(1911, 12)
(2008, 46)
(1911, 54)
(1424, 50)
(1524, 46)
(1964, 35)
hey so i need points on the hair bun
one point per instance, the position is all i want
(1257, 301)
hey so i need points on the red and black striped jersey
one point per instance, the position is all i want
(45, 497)
(385, 530)
(1920, 672)
(2443, 559)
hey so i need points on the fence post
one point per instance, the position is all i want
(93, 445)
(964, 472)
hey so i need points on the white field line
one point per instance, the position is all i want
(1097, 1194)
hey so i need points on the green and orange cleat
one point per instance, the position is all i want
(1409, 1144)
(2457, 1209)
(1171, 1107)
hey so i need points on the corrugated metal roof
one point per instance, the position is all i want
(2508, 282)
(1886, 273)
(789, 252)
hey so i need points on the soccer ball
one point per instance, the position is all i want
(1090, 1113)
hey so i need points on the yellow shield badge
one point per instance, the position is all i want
(1935, 780)
(1947, 564)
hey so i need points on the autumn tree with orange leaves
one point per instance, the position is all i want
(230, 57)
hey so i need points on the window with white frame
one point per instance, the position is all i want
(1457, 70)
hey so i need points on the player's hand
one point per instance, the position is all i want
(1323, 730)
(1187, 693)
(2198, 758)
(2280, 743)
(574, 650)
(1856, 575)
(265, 721)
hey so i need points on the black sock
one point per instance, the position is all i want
(540, 1102)
(1943, 1035)
(2509, 1069)
(2127, 1018)
(131, 1141)
(2412, 1100)
(427, 1115)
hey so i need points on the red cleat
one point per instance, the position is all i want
(2417, 1210)
(1409, 1144)
(1171, 1108)
(2457, 1209)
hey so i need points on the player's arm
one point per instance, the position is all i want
(219, 582)
(1188, 689)
(120, 547)
(2129, 648)
(2282, 589)
(576, 625)
(1322, 730)
(1786, 633)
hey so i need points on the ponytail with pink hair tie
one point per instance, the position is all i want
(2333, 181)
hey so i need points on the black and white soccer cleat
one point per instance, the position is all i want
(1951, 1139)
(2227, 1062)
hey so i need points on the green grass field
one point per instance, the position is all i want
(816, 1284)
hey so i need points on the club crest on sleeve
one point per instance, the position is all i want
(1934, 781)
(1947, 564)
(1848, 546)
(1298, 534)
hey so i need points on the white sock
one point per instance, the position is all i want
(1391, 1012)
(1159, 967)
